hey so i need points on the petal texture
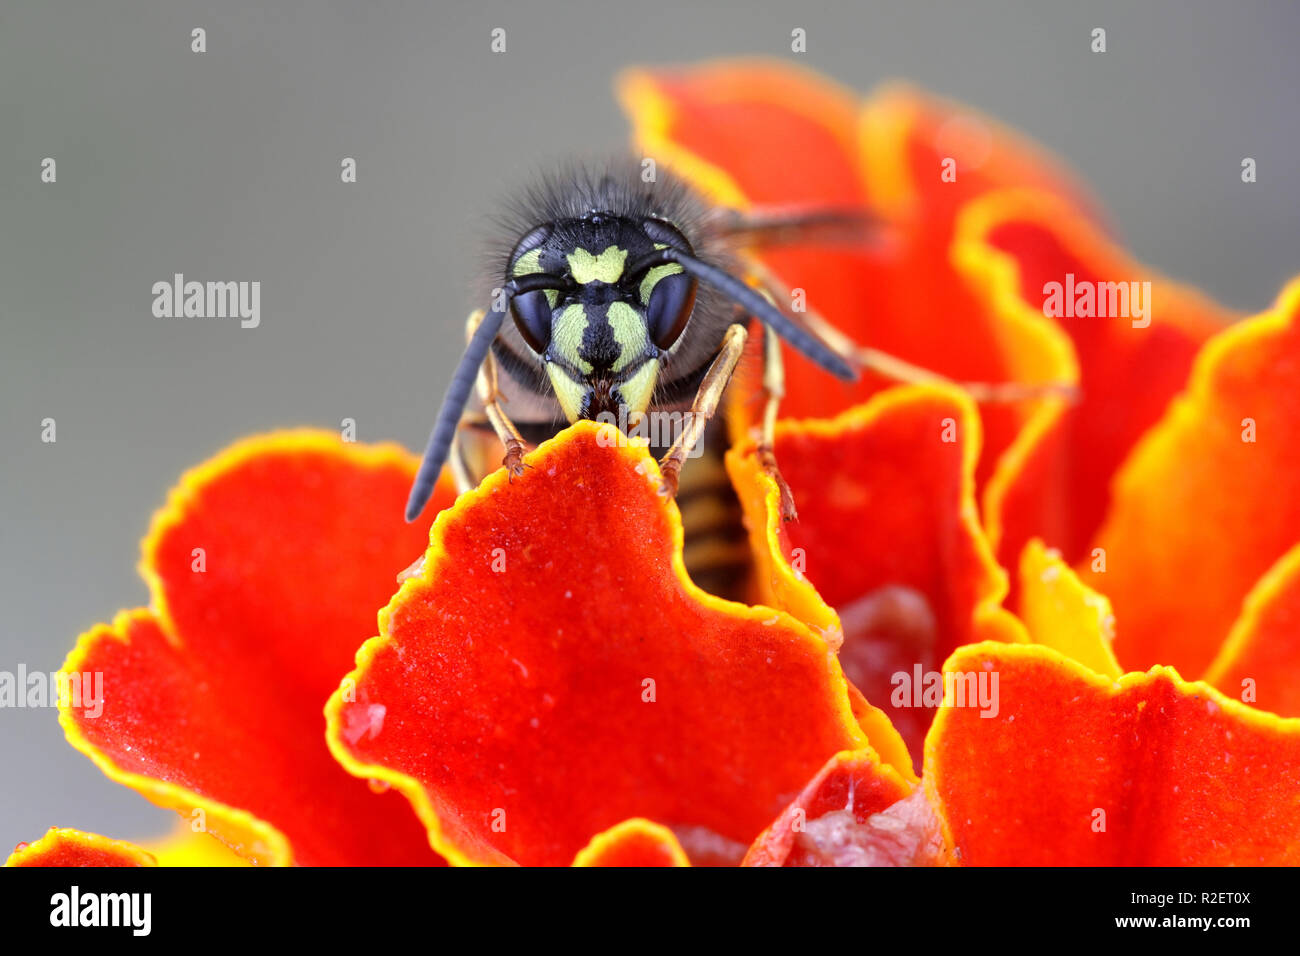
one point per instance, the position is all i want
(1073, 769)
(265, 567)
(552, 672)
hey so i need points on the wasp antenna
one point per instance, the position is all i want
(453, 406)
(462, 383)
(755, 305)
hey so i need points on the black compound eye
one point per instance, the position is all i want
(532, 312)
(671, 300)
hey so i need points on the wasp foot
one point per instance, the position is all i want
(514, 459)
(670, 470)
(767, 458)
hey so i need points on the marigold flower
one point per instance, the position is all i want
(549, 687)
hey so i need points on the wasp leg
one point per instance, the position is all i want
(892, 367)
(895, 368)
(774, 390)
(702, 408)
(488, 394)
(459, 466)
(469, 460)
(782, 225)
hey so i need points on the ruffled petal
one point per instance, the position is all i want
(187, 847)
(1260, 661)
(1209, 500)
(66, 847)
(265, 569)
(717, 124)
(1018, 249)
(635, 842)
(939, 316)
(907, 135)
(1073, 769)
(887, 535)
(552, 672)
(1061, 613)
(916, 301)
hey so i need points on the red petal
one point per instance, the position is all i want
(887, 534)
(1200, 511)
(214, 702)
(66, 847)
(1056, 485)
(907, 135)
(1260, 662)
(511, 675)
(634, 842)
(718, 123)
(1076, 770)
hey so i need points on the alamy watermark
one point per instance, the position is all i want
(131, 911)
(655, 429)
(179, 299)
(922, 688)
(82, 691)
(1106, 300)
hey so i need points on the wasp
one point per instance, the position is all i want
(618, 298)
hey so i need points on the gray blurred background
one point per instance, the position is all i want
(225, 165)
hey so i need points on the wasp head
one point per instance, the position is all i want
(605, 332)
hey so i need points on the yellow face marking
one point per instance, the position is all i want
(629, 333)
(654, 275)
(606, 267)
(567, 391)
(566, 336)
(529, 263)
(637, 390)
(657, 273)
